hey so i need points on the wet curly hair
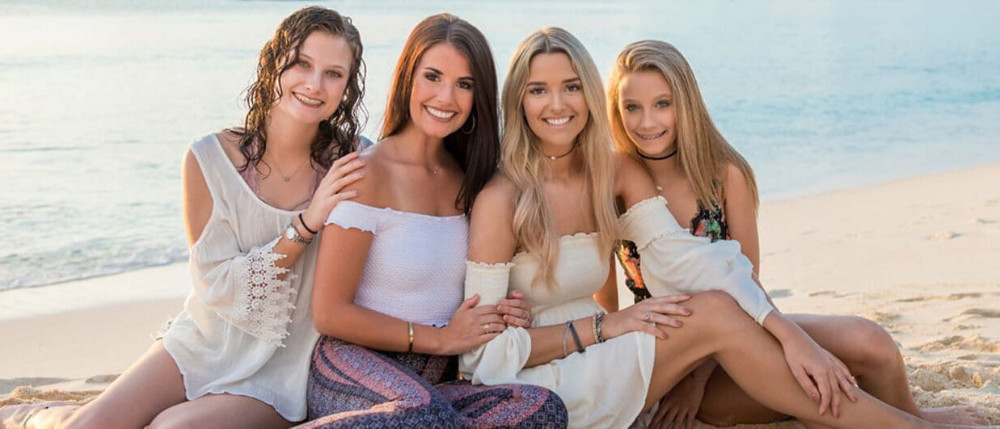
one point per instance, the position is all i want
(338, 134)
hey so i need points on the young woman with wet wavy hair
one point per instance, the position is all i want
(237, 356)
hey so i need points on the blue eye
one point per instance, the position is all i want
(302, 63)
(334, 74)
(631, 107)
(663, 103)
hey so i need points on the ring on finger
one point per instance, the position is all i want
(646, 316)
(486, 328)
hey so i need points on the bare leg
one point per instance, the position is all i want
(862, 345)
(754, 359)
(149, 386)
(220, 411)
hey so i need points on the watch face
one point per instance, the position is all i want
(290, 232)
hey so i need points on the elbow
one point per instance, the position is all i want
(326, 323)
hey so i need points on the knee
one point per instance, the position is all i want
(876, 348)
(715, 307)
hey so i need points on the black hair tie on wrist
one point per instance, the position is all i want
(303, 222)
(576, 338)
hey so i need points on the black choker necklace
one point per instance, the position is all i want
(656, 158)
(555, 157)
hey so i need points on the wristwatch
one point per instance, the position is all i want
(292, 233)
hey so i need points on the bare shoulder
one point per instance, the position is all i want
(496, 199)
(632, 182)
(628, 170)
(373, 176)
(734, 178)
(491, 230)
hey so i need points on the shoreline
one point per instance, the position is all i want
(917, 255)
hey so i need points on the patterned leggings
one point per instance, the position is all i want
(355, 387)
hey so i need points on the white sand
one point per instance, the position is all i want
(920, 256)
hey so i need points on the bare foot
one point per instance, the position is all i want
(17, 416)
(955, 415)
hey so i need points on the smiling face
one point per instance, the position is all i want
(442, 94)
(647, 109)
(554, 104)
(312, 88)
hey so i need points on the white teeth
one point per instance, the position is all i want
(440, 113)
(307, 101)
(558, 121)
(651, 137)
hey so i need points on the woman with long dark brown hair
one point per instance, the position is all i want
(388, 295)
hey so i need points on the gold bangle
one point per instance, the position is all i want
(409, 348)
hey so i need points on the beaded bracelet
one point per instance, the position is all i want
(596, 325)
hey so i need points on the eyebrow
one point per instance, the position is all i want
(332, 66)
(469, 78)
(565, 81)
(657, 97)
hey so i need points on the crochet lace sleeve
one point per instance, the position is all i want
(246, 289)
(675, 262)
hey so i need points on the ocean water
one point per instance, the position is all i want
(100, 99)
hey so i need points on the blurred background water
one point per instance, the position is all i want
(100, 99)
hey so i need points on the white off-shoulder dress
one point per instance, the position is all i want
(606, 386)
(244, 331)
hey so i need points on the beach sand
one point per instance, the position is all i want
(920, 256)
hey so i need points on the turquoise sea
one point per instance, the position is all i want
(99, 99)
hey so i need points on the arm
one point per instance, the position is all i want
(348, 236)
(741, 215)
(246, 287)
(607, 296)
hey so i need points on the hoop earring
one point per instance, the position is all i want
(472, 128)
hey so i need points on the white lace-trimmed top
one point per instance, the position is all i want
(243, 331)
(416, 264)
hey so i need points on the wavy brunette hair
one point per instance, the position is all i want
(337, 134)
(476, 152)
(522, 159)
(702, 151)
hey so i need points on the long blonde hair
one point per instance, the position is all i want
(702, 151)
(521, 157)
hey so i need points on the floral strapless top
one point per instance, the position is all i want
(707, 223)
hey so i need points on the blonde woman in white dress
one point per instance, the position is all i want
(546, 228)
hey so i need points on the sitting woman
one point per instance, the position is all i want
(546, 228)
(388, 296)
(658, 117)
(237, 356)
